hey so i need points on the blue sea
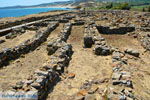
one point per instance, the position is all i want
(25, 11)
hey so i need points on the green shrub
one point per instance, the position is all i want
(109, 6)
(123, 6)
(143, 9)
(78, 7)
(149, 9)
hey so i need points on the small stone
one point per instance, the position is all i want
(28, 82)
(93, 89)
(116, 76)
(122, 97)
(82, 93)
(18, 85)
(2, 41)
(71, 75)
(41, 73)
(116, 82)
(132, 52)
(36, 85)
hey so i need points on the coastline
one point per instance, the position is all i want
(20, 12)
(7, 20)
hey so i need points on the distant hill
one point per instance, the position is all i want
(41, 5)
(78, 2)
(130, 1)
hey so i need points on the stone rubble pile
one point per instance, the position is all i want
(101, 47)
(121, 87)
(92, 37)
(12, 53)
(62, 38)
(42, 24)
(31, 28)
(118, 30)
(78, 22)
(145, 41)
(88, 35)
(15, 33)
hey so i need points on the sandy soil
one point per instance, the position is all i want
(24, 67)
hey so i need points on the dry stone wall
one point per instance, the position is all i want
(43, 79)
(12, 53)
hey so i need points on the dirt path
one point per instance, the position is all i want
(84, 64)
(22, 68)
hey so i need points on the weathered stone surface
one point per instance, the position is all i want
(2, 41)
(88, 41)
(102, 50)
(132, 52)
(120, 30)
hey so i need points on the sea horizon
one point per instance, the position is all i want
(19, 12)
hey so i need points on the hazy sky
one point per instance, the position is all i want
(4, 3)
